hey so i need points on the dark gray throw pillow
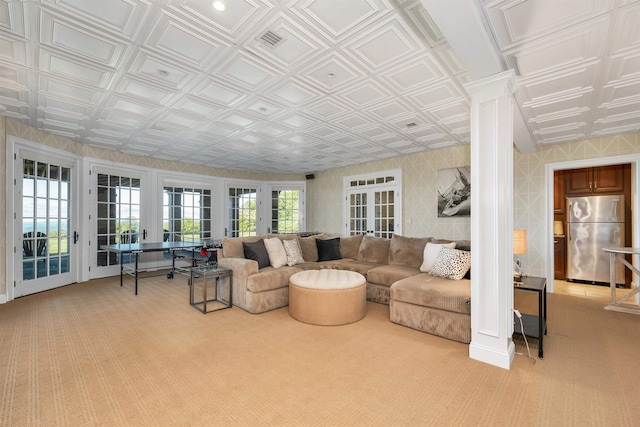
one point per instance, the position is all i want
(328, 249)
(257, 252)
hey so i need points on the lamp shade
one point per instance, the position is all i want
(557, 228)
(519, 241)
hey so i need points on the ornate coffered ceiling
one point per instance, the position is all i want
(307, 85)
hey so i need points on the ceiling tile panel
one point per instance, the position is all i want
(515, 21)
(238, 17)
(352, 15)
(330, 72)
(561, 50)
(62, 88)
(415, 74)
(385, 44)
(71, 38)
(182, 42)
(12, 17)
(13, 50)
(74, 69)
(121, 16)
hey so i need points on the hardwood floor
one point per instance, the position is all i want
(602, 293)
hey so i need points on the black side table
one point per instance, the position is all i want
(534, 326)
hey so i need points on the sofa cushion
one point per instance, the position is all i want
(328, 249)
(293, 251)
(374, 250)
(407, 251)
(270, 278)
(257, 252)
(431, 251)
(350, 245)
(387, 275)
(429, 291)
(232, 246)
(276, 252)
(451, 264)
(309, 248)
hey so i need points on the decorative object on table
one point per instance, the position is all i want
(454, 192)
(519, 248)
(210, 253)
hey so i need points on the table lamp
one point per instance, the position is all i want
(519, 248)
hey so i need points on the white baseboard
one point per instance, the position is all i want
(3, 298)
(492, 356)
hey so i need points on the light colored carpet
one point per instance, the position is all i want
(94, 354)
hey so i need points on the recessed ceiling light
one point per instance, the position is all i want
(331, 75)
(219, 5)
(412, 124)
(163, 73)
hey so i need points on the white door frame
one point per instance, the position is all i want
(13, 239)
(550, 168)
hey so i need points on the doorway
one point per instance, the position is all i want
(557, 217)
(45, 206)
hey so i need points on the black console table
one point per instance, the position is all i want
(534, 326)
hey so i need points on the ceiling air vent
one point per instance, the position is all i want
(271, 39)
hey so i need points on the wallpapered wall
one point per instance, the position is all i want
(324, 193)
(419, 178)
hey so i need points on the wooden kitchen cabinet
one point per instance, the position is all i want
(559, 257)
(597, 180)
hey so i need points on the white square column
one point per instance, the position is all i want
(492, 219)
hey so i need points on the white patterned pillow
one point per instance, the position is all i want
(431, 251)
(294, 253)
(451, 264)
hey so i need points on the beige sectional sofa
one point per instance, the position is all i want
(391, 267)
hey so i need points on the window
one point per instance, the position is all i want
(243, 209)
(186, 214)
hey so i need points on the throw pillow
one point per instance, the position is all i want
(431, 251)
(294, 253)
(328, 249)
(451, 264)
(257, 252)
(276, 252)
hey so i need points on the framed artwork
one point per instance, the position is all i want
(454, 192)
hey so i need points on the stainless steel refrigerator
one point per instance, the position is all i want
(594, 223)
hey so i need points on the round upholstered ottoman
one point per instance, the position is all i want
(327, 297)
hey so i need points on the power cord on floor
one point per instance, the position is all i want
(519, 316)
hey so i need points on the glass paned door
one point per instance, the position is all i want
(243, 212)
(118, 211)
(286, 216)
(46, 236)
(358, 213)
(372, 212)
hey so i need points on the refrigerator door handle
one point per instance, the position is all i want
(569, 220)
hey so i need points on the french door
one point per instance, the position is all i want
(373, 204)
(45, 223)
(117, 216)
